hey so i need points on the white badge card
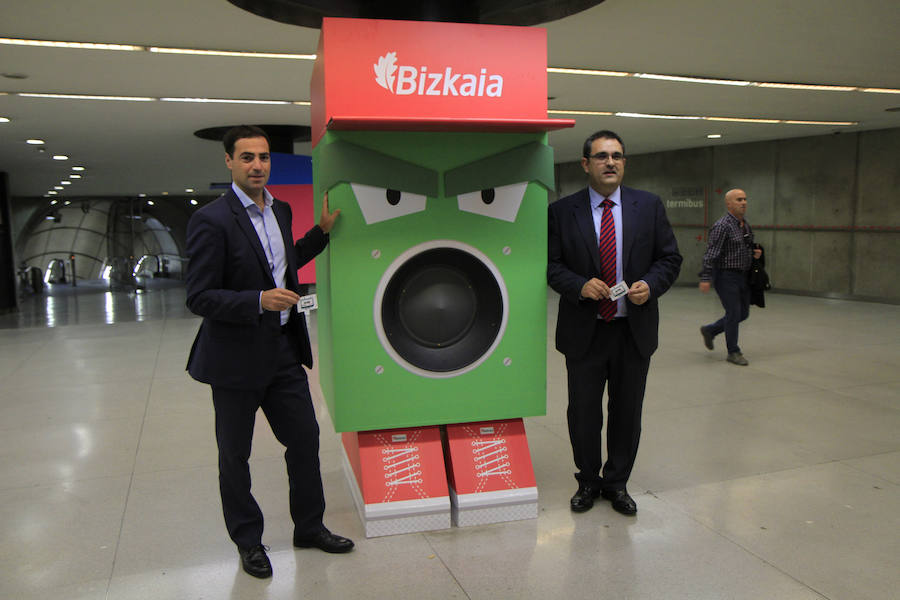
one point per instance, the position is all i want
(307, 304)
(618, 290)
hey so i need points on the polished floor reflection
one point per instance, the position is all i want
(777, 480)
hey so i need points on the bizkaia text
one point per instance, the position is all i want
(410, 80)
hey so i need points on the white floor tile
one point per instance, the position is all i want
(778, 480)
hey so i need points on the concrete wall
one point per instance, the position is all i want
(823, 207)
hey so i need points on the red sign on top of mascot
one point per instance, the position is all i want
(430, 72)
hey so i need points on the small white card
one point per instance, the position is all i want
(307, 304)
(618, 290)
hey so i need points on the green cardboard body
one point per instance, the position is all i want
(364, 387)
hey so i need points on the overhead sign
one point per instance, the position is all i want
(379, 74)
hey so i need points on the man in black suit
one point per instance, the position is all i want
(252, 343)
(607, 240)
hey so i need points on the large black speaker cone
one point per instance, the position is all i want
(442, 310)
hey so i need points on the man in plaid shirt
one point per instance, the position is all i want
(726, 265)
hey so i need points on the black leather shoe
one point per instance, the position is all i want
(583, 499)
(621, 501)
(255, 562)
(707, 338)
(324, 540)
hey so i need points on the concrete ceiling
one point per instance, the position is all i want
(131, 148)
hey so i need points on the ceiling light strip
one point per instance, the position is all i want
(742, 120)
(231, 53)
(795, 122)
(86, 97)
(155, 49)
(651, 116)
(635, 115)
(594, 113)
(880, 90)
(687, 79)
(566, 71)
(224, 101)
(560, 70)
(75, 45)
(171, 99)
(731, 82)
(550, 111)
(807, 86)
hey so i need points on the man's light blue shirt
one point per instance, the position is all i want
(269, 233)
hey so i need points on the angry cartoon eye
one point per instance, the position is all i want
(382, 204)
(498, 203)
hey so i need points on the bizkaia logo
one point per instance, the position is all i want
(422, 82)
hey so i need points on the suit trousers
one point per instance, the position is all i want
(287, 405)
(733, 288)
(612, 360)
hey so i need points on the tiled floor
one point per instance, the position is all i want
(780, 480)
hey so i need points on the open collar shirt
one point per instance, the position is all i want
(266, 226)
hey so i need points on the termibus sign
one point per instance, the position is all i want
(427, 71)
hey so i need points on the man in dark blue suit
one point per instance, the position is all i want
(253, 343)
(612, 254)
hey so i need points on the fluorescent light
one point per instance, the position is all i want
(67, 202)
(595, 72)
(302, 103)
(807, 86)
(53, 202)
(596, 113)
(58, 187)
(73, 176)
(150, 203)
(87, 97)
(77, 168)
(714, 136)
(193, 202)
(231, 53)
(742, 120)
(792, 122)
(650, 116)
(34, 142)
(224, 101)
(189, 190)
(60, 157)
(142, 195)
(4, 120)
(78, 45)
(52, 192)
(880, 90)
(687, 79)
(65, 182)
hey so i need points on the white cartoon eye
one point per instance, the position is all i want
(382, 204)
(498, 203)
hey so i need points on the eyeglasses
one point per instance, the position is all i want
(604, 156)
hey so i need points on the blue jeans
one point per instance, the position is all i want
(734, 292)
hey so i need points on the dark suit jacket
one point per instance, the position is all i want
(235, 345)
(649, 252)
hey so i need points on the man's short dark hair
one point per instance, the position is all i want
(605, 134)
(240, 132)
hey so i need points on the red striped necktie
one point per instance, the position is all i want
(607, 248)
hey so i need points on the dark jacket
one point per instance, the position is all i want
(228, 268)
(758, 279)
(649, 252)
